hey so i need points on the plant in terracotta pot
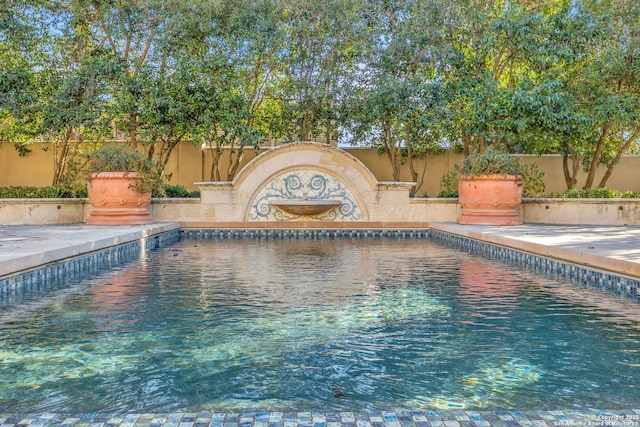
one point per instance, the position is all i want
(490, 188)
(120, 185)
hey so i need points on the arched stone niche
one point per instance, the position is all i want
(305, 173)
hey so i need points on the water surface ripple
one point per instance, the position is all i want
(317, 324)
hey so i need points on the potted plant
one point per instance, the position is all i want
(120, 185)
(490, 188)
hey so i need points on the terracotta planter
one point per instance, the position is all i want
(115, 200)
(490, 200)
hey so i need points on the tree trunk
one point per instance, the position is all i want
(214, 173)
(305, 127)
(236, 165)
(234, 162)
(409, 142)
(466, 144)
(621, 150)
(593, 166)
(570, 175)
(412, 168)
(568, 180)
(60, 155)
(133, 132)
(392, 150)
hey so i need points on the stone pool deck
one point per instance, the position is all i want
(610, 248)
(24, 247)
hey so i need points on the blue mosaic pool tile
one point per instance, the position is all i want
(417, 418)
(61, 273)
(304, 234)
(618, 285)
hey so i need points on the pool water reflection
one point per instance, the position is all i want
(318, 324)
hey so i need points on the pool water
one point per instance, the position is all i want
(317, 324)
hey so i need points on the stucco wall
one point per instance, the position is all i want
(190, 164)
(192, 213)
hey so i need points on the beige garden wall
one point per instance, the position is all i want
(193, 213)
(190, 164)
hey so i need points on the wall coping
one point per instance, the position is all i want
(221, 184)
(66, 200)
(396, 184)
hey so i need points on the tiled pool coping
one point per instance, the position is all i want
(399, 418)
(92, 262)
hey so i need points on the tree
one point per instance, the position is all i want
(322, 38)
(54, 90)
(608, 87)
(234, 48)
(130, 30)
(497, 50)
(396, 97)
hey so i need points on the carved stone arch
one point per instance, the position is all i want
(308, 177)
(305, 171)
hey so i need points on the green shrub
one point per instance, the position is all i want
(491, 162)
(449, 183)
(630, 195)
(532, 180)
(65, 191)
(598, 193)
(178, 191)
(70, 191)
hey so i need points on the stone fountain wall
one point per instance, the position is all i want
(310, 172)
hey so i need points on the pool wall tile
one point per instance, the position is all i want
(605, 281)
(417, 418)
(279, 234)
(56, 274)
(59, 273)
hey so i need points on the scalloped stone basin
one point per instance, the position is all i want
(305, 207)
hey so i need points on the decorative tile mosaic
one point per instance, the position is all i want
(56, 274)
(303, 234)
(397, 418)
(573, 273)
(308, 184)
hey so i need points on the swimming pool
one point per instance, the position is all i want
(309, 324)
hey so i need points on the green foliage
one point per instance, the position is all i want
(491, 162)
(409, 76)
(449, 183)
(177, 191)
(494, 162)
(66, 191)
(119, 158)
(79, 191)
(599, 193)
(532, 180)
(396, 100)
(629, 195)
